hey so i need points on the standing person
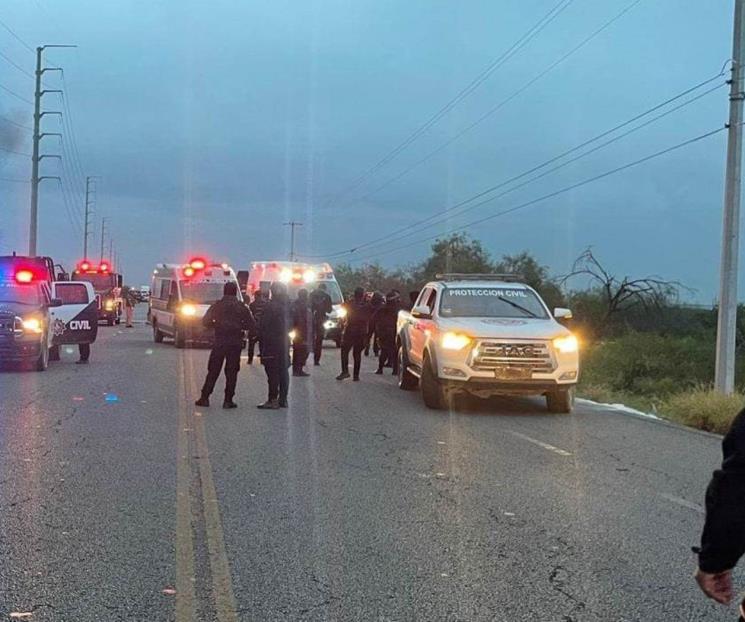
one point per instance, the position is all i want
(302, 331)
(723, 537)
(229, 317)
(355, 333)
(384, 322)
(377, 300)
(275, 347)
(321, 305)
(257, 309)
(129, 300)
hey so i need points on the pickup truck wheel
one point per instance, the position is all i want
(406, 380)
(432, 393)
(178, 338)
(54, 353)
(43, 361)
(560, 401)
(157, 335)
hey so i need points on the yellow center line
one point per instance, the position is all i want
(185, 579)
(222, 582)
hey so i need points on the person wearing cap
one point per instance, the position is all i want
(355, 333)
(229, 318)
(383, 323)
(274, 337)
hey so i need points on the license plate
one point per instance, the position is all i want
(513, 373)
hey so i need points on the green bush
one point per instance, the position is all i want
(703, 409)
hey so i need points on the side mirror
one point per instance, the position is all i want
(55, 302)
(421, 311)
(561, 313)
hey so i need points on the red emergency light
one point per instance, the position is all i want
(84, 266)
(188, 271)
(198, 263)
(104, 267)
(24, 276)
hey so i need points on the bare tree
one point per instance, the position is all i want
(621, 294)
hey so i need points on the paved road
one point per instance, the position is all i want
(356, 503)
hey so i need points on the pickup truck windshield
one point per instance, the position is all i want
(508, 302)
(23, 294)
(201, 293)
(100, 282)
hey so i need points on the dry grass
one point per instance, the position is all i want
(703, 409)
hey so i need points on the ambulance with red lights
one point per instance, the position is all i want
(108, 286)
(180, 295)
(297, 276)
(39, 314)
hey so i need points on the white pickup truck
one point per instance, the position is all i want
(486, 335)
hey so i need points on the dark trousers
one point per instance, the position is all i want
(252, 341)
(231, 356)
(318, 343)
(85, 351)
(299, 356)
(355, 344)
(277, 377)
(388, 354)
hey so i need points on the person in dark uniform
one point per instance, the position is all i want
(257, 309)
(413, 295)
(377, 300)
(229, 317)
(302, 330)
(275, 347)
(383, 324)
(321, 305)
(355, 333)
(723, 537)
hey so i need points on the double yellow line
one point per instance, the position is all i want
(192, 494)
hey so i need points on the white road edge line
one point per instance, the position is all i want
(683, 502)
(556, 450)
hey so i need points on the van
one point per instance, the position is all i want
(180, 295)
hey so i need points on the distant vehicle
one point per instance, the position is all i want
(107, 285)
(38, 314)
(180, 296)
(299, 275)
(144, 293)
(486, 335)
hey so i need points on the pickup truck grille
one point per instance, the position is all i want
(7, 324)
(535, 356)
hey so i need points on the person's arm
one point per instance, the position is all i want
(248, 321)
(723, 537)
(208, 321)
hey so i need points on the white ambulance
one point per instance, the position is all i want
(180, 295)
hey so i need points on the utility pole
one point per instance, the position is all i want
(292, 224)
(35, 157)
(724, 379)
(86, 228)
(111, 249)
(103, 235)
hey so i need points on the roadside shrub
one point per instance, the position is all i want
(703, 408)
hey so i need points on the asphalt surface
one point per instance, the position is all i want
(119, 500)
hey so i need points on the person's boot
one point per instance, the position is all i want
(356, 378)
(203, 401)
(379, 371)
(269, 405)
(343, 375)
(316, 363)
(301, 374)
(283, 403)
(229, 403)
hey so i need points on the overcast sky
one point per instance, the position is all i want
(212, 123)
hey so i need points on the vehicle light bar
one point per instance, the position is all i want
(24, 276)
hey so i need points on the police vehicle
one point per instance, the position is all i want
(486, 335)
(296, 276)
(180, 295)
(39, 314)
(107, 285)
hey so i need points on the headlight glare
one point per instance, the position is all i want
(566, 345)
(188, 310)
(341, 312)
(455, 341)
(32, 325)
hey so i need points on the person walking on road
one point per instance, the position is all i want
(257, 309)
(321, 305)
(229, 317)
(129, 300)
(383, 324)
(275, 347)
(302, 333)
(355, 333)
(723, 537)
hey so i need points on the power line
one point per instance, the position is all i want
(15, 181)
(15, 36)
(633, 119)
(467, 90)
(18, 67)
(14, 94)
(25, 127)
(21, 153)
(505, 101)
(550, 195)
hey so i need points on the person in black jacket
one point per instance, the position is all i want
(274, 338)
(302, 332)
(257, 309)
(723, 537)
(383, 324)
(229, 317)
(355, 333)
(321, 305)
(377, 300)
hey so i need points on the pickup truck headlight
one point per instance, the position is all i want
(455, 341)
(566, 345)
(341, 312)
(292, 335)
(188, 310)
(109, 305)
(32, 325)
